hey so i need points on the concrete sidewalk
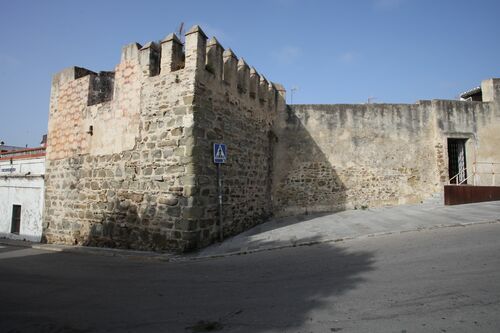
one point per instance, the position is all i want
(320, 228)
(314, 229)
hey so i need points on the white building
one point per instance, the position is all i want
(21, 193)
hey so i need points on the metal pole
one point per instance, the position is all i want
(474, 173)
(219, 182)
(492, 174)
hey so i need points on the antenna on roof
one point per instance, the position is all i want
(180, 31)
(292, 91)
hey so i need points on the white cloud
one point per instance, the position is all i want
(348, 57)
(287, 54)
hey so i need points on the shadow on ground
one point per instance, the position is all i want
(265, 292)
(282, 222)
(292, 176)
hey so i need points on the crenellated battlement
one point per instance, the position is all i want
(129, 151)
(206, 60)
(184, 69)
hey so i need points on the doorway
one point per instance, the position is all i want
(457, 168)
(16, 219)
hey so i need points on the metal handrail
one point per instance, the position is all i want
(456, 176)
(485, 162)
(475, 173)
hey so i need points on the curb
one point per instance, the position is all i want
(335, 240)
(107, 252)
(170, 257)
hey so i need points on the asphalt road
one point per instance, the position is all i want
(443, 280)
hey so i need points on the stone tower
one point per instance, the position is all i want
(129, 155)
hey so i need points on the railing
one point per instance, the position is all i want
(476, 174)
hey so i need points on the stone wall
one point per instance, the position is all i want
(335, 157)
(129, 156)
(235, 106)
(130, 152)
(479, 123)
(232, 104)
(118, 171)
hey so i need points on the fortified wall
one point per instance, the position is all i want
(336, 157)
(129, 156)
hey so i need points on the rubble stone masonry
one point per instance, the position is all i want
(354, 156)
(129, 156)
(129, 161)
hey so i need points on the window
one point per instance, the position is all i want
(16, 219)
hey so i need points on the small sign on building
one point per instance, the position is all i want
(220, 153)
(220, 156)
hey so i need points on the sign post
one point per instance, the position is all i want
(220, 156)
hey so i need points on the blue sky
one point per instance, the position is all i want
(331, 51)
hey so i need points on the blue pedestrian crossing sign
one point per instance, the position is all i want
(220, 153)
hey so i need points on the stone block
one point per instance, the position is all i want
(177, 131)
(190, 191)
(192, 212)
(168, 200)
(189, 180)
(174, 211)
(188, 100)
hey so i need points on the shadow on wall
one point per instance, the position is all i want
(152, 230)
(112, 207)
(304, 180)
(287, 290)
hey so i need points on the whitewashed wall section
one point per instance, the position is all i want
(22, 183)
